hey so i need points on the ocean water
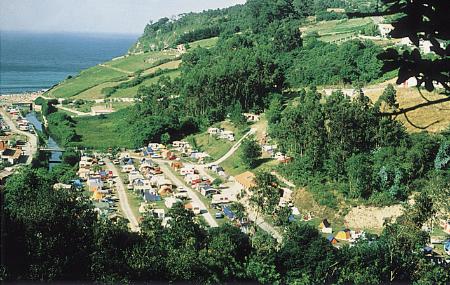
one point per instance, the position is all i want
(35, 61)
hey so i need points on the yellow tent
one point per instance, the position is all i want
(97, 196)
(343, 235)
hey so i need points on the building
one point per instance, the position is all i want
(181, 48)
(11, 155)
(385, 30)
(246, 180)
(101, 110)
(336, 10)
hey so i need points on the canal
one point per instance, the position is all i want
(55, 156)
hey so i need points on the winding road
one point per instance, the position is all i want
(123, 199)
(258, 220)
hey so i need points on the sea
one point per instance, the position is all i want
(36, 61)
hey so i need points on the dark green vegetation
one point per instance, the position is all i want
(196, 26)
(88, 247)
(347, 145)
(421, 21)
(238, 75)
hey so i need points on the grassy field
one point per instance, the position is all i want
(433, 118)
(87, 79)
(90, 82)
(131, 92)
(206, 43)
(101, 132)
(142, 61)
(96, 92)
(337, 29)
(174, 64)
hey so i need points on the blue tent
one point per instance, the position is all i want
(427, 250)
(130, 161)
(447, 245)
(77, 183)
(331, 239)
(291, 218)
(228, 212)
(149, 197)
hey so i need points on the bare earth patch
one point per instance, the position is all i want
(362, 217)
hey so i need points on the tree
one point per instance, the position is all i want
(71, 157)
(359, 171)
(251, 151)
(165, 138)
(273, 112)
(261, 263)
(236, 115)
(36, 212)
(420, 21)
(265, 196)
(317, 256)
(389, 97)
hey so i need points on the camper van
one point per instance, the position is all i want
(128, 168)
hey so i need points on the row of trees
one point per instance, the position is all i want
(55, 235)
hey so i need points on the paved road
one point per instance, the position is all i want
(259, 221)
(78, 113)
(123, 199)
(32, 144)
(195, 199)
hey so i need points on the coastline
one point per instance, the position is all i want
(20, 97)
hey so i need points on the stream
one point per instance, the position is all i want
(55, 156)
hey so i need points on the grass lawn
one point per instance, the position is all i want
(131, 92)
(143, 61)
(206, 43)
(96, 92)
(67, 112)
(174, 64)
(85, 80)
(101, 133)
(215, 147)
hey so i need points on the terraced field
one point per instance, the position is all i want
(330, 31)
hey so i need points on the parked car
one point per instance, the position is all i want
(219, 215)
(116, 161)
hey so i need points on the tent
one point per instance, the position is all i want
(97, 196)
(427, 250)
(325, 224)
(149, 197)
(331, 239)
(227, 212)
(343, 235)
(447, 246)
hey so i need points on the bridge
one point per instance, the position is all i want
(52, 149)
